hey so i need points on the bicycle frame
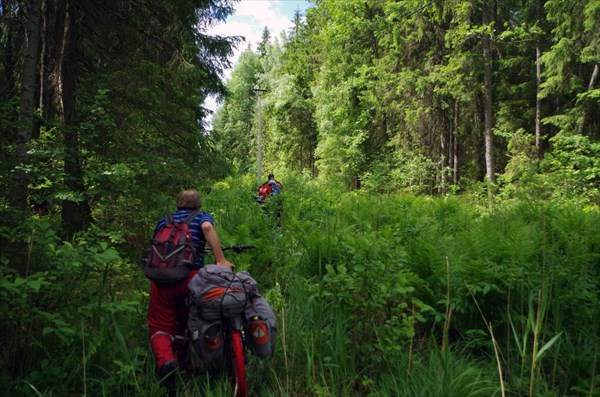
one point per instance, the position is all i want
(235, 341)
(235, 344)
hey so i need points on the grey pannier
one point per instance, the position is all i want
(262, 327)
(217, 292)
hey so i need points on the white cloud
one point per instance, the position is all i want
(249, 21)
(252, 16)
(263, 13)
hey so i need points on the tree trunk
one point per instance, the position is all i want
(454, 142)
(52, 20)
(9, 35)
(26, 106)
(538, 84)
(455, 159)
(444, 154)
(75, 212)
(487, 99)
(591, 85)
(538, 103)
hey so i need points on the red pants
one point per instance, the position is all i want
(167, 320)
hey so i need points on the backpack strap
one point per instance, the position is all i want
(187, 221)
(168, 222)
(190, 217)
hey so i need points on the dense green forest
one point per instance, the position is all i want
(441, 169)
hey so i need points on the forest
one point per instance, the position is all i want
(440, 233)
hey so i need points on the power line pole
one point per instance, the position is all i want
(259, 92)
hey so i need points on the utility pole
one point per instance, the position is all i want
(259, 92)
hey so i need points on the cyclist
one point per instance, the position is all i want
(167, 309)
(270, 187)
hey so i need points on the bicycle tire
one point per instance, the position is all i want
(238, 364)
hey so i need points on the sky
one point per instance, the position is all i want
(249, 20)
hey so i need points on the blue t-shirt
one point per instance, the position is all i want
(195, 227)
(275, 187)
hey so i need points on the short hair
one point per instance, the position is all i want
(189, 199)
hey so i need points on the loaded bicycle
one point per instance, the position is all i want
(228, 317)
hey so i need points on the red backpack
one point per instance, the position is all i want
(171, 252)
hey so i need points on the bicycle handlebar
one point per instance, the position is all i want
(238, 248)
(235, 248)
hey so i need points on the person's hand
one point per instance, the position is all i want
(226, 263)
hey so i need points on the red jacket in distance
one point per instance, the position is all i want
(270, 187)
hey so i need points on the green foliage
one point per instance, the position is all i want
(570, 173)
(390, 93)
(235, 123)
(131, 124)
(572, 169)
(401, 170)
(55, 313)
(437, 374)
(336, 254)
(375, 294)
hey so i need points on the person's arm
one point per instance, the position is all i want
(210, 234)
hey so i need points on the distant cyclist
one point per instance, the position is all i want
(271, 187)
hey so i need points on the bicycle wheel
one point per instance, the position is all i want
(238, 365)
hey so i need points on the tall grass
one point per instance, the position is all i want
(376, 295)
(437, 374)
(505, 253)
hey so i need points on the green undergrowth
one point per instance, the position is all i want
(376, 295)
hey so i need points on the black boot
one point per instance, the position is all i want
(167, 374)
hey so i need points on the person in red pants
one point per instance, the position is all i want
(167, 309)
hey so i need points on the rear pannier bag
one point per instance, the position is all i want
(261, 327)
(206, 338)
(217, 292)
